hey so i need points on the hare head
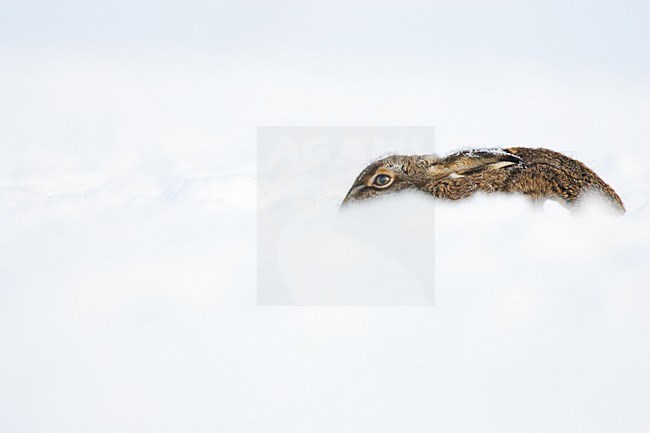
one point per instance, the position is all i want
(391, 174)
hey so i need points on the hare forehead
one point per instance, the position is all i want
(401, 164)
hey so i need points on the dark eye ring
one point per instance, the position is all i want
(382, 180)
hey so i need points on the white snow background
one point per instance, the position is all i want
(128, 207)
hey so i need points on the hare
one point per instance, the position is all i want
(539, 174)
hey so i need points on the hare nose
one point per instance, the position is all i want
(351, 194)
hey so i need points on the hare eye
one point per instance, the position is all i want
(382, 180)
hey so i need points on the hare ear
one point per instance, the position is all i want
(484, 167)
(475, 161)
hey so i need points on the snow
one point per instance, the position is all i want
(477, 153)
(128, 292)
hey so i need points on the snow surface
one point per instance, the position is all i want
(128, 216)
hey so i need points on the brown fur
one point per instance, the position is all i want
(537, 173)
